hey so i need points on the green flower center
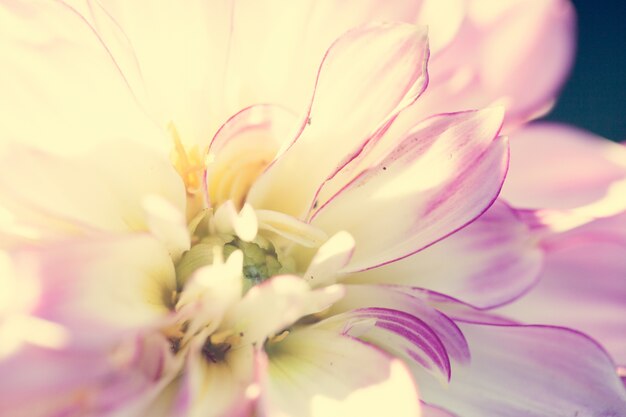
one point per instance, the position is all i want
(260, 259)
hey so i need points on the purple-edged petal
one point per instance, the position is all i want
(491, 261)
(242, 148)
(582, 286)
(367, 75)
(433, 411)
(453, 308)
(318, 373)
(61, 88)
(561, 167)
(444, 173)
(403, 335)
(406, 325)
(530, 371)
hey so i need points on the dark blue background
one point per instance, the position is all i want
(594, 97)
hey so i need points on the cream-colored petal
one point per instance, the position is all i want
(317, 373)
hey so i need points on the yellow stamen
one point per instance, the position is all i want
(279, 337)
(188, 163)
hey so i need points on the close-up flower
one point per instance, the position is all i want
(308, 208)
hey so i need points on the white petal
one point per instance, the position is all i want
(316, 373)
(330, 258)
(61, 88)
(275, 304)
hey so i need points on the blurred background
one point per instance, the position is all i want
(594, 96)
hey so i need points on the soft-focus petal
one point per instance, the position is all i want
(514, 53)
(319, 373)
(560, 167)
(582, 286)
(277, 62)
(529, 371)
(181, 53)
(43, 382)
(104, 190)
(101, 287)
(459, 169)
(495, 259)
(528, 33)
(367, 74)
(433, 411)
(60, 83)
(218, 389)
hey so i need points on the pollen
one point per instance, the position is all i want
(188, 162)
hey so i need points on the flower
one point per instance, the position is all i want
(266, 212)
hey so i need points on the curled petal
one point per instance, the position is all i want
(401, 334)
(411, 325)
(242, 148)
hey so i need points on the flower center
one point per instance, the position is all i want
(260, 260)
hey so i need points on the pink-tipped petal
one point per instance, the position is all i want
(101, 288)
(524, 371)
(441, 176)
(75, 381)
(515, 53)
(528, 53)
(496, 259)
(367, 75)
(582, 286)
(560, 167)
